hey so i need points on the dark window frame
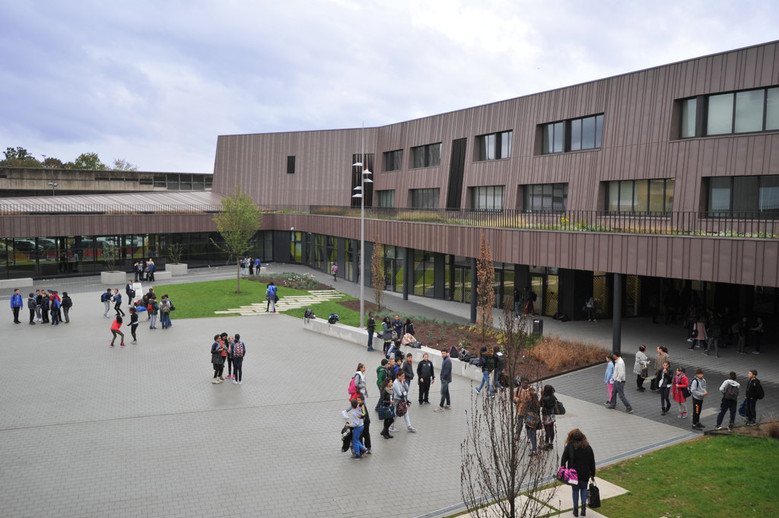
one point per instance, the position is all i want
(393, 160)
(499, 153)
(564, 129)
(290, 164)
(703, 113)
(428, 157)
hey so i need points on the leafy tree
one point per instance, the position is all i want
(53, 163)
(237, 223)
(88, 161)
(377, 270)
(496, 464)
(19, 157)
(485, 296)
(120, 164)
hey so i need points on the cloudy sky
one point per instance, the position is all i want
(155, 82)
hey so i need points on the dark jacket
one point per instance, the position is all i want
(216, 354)
(371, 326)
(408, 369)
(583, 462)
(425, 370)
(67, 302)
(753, 389)
(547, 405)
(446, 370)
(669, 377)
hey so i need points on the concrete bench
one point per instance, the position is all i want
(23, 282)
(162, 275)
(360, 337)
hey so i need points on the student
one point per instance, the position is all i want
(664, 379)
(271, 297)
(386, 334)
(37, 306)
(679, 384)
(117, 299)
(425, 377)
(239, 351)
(729, 389)
(152, 310)
(115, 330)
(357, 424)
(31, 307)
(371, 327)
(166, 306)
(753, 393)
(67, 303)
(16, 305)
(133, 323)
(56, 303)
(607, 379)
(365, 437)
(579, 455)
(217, 360)
(548, 417)
(400, 393)
(698, 392)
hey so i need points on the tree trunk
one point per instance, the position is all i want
(238, 276)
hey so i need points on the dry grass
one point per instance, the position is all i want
(772, 430)
(557, 353)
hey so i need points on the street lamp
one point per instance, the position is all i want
(53, 186)
(360, 191)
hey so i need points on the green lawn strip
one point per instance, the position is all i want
(322, 311)
(202, 299)
(714, 476)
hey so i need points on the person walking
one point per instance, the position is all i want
(754, 392)
(271, 297)
(387, 401)
(608, 379)
(371, 328)
(487, 362)
(548, 416)
(579, 455)
(532, 420)
(522, 395)
(116, 330)
(425, 377)
(117, 300)
(641, 368)
(334, 271)
(729, 389)
(446, 379)
(31, 307)
(619, 384)
(664, 379)
(698, 392)
(16, 305)
(130, 292)
(400, 395)
(239, 351)
(360, 382)
(67, 303)
(217, 360)
(133, 323)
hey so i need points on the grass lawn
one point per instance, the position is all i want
(201, 299)
(710, 477)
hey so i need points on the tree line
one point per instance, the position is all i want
(20, 157)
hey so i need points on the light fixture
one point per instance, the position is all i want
(357, 164)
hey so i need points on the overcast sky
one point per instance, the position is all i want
(155, 82)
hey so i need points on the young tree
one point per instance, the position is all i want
(485, 296)
(89, 161)
(497, 468)
(120, 164)
(237, 223)
(377, 270)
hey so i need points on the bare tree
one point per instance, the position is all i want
(485, 296)
(497, 468)
(377, 271)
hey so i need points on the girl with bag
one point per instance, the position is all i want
(578, 455)
(217, 360)
(386, 410)
(533, 420)
(681, 391)
(548, 416)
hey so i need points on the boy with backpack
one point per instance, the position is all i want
(754, 392)
(698, 392)
(729, 389)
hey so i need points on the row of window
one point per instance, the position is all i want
(744, 195)
(572, 135)
(746, 111)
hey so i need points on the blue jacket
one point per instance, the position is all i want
(16, 300)
(609, 373)
(446, 370)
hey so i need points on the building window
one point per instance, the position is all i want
(426, 156)
(424, 198)
(653, 197)
(747, 111)
(487, 198)
(290, 165)
(393, 160)
(547, 197)
(743, 196)
(386, 198)
(572, 135)
(494, 146)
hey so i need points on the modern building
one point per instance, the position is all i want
(648, 190)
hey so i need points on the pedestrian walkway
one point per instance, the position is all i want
(89, 430)
(284, 304)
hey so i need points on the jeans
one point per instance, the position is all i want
(445, 393)
(152, 320)
(665, 402)
(107, 304)
(67, 315)
(357, 446)
(619, 390)
(580, 490)
(165, 319)
(751, 409)
(531, 433)
(370, 338)
(485, 379)
(725, 405)
(238, 368)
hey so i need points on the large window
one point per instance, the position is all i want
(747, 111)
(547, 197)
(653, 197)
(386, 198)
(743, 196)
(393, 160)
(572, 135)
(494, 146)
(426, 156)
(487, 198)
(424, 198)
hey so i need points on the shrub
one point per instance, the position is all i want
(556, 352)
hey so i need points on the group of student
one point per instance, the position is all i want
(148, 304)
(45, 306)
(228, 350)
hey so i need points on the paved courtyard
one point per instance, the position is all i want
(89, 430)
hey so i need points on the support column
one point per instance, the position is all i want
(474, 285)
(408, 271)
(616, 341)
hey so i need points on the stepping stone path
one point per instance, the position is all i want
(284, 303)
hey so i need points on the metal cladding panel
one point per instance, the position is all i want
(101, 225)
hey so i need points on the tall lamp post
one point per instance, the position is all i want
(360, 193)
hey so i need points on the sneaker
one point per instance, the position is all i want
(215, 381)
(122, 344)
(392, 429)
(684, 415)
(718, 428)
(240, 382)
(447, 407)
(689, 340)
(219, 380)
(134, 341)
(609, 406)
(730, 427)
(628, 410)
(477, 390)
(438, 409)
(111, 345)
(235, 382)
(663, 412)
(412, 430)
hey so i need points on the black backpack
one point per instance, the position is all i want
(333, 318)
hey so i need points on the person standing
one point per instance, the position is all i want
(446, 379)
(31, 307)
(641, 368)
(133, 323)
(661, 357)
(151, 267)
(729, 389)
(608, 379)
(678, 391)
(579, 455)
(152, 309)
(270, 296)
(16, 305)
(425, 377)
(250, 264)
(137, 271)
(548, 416)
(408, 370)
(117, 299)
(37, 306)
(386, 401)
(698, 392)
(217, 360)
(334, 271)
(533, 420)
(589, 306)
(239, 351)
(166, 306)
(522, 395)
(397, 331)
(371, 327)
(116, 330)
(500, 364)
(753, 393)
(67, 303)
(619, 384)
(45, 305)
(386, 334)
(365, 436)
(756, 332)
(400, 394)
(56, 304)
(664, 379)
(257, 265)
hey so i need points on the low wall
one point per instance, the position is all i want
(22, 282)
(360, 337)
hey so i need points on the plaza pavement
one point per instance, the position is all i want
(89, 430)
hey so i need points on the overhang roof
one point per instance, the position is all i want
(168, 201)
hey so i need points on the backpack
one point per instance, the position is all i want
(352, 386)
(489, 362)
(239, 349)
(453, 352)
(333, 318)
(165, 308)
(759, 389)
(731, 392)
